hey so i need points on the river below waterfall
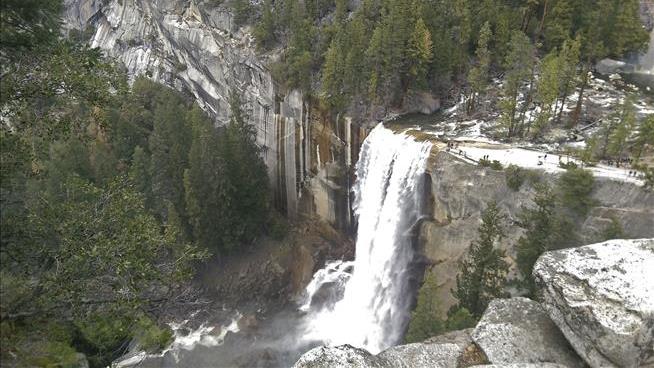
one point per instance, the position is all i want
(365, 302)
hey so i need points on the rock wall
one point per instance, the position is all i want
(195, 47)
(460, 191)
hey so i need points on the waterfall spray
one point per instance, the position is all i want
(371, 309)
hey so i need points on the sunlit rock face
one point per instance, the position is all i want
(601, 297)
(460, 191)
(197, 49)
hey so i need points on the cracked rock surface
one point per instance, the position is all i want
(518, 330)
(601, 297)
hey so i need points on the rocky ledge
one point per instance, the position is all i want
(601, 297)
(596, 309)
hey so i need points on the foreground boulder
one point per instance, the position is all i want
(344, 356)
(521, 365)
(518, 330)
(451, 350)
(601, 297)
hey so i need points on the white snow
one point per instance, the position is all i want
(531, 159)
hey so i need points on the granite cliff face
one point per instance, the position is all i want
(460, 191)
(196, 48)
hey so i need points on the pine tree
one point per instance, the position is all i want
(247, 208)
(558, 27)
(614, 230)
(607, 28)
(483, 271)
(545, 229)
(478, 75)
(205, 183)
(169, 145)
(420, 53)
(425, 321)
(569, 61)
(644, 137)
(264, 30)
(333, 74)
(355, 59)
(547, 90)
(618, 139)
(518, 64)
(539, 225)
(242, 11)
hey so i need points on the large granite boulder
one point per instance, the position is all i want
(520, 365)
(344, 356)
(601, 297)
(451, 350)
(518, 330)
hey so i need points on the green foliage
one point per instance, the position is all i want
(277, 226)
(614, 230)
(515, 177)
(227, 189)
(378, 52)
(150, 337)
(478, 75)
(47, 345)
(518, 62)
(425, 321)
(482, 274)
(618, 137)
(459, 319)
(420, 54)
(547, 91)
(169, 145)
(575, 186)
(242, 11)
(101, 337)
(28, 24)
(545, 229)
(495, 165)
(644, 137)
(264, 30)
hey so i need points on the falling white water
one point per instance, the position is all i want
(646, 62)
(372, 310)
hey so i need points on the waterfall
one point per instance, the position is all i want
(365, 303)
(646, 61)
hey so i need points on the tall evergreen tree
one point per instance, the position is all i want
(478, 75)
(547, 90)
(247, 203)
(518, 64)
(619, 138)
(545, 229)
(483, 271)
(425, 321)
(644, 137)
(169, 145)
(264, 30)
(569, 61)
(420, 54)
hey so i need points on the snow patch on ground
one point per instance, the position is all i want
(531, 159)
